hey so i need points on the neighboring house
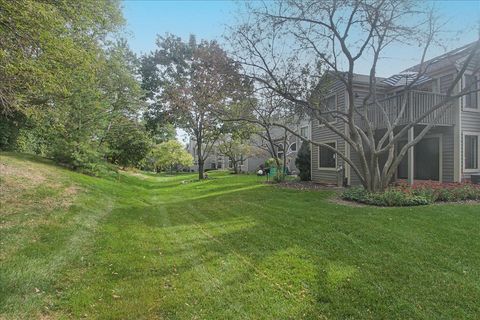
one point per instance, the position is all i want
(213, 161)
(449, 153)
(293, 144)
(217, 161)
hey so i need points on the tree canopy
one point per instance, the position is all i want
(169, 155)
(191, 82)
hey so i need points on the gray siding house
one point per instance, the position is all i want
(301, 126)
(217, 161)
(450, 152)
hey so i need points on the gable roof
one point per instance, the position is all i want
(445, 60)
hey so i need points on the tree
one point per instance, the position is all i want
(303, 162)
(170, 154)
(65, 84)
(289, 47)
(190, 82)
(235, 150)
(121, 91)
(128, 142)
(103, 106)
(265, 112)
(43, 42)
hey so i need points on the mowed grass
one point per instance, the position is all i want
(141, 246)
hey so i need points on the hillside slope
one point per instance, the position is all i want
(48, 221)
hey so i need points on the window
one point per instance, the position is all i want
(330, 105)
(304, 132)
(293, 147)
(471, 152)
(326, 157)
(471, 99)
(280, 151)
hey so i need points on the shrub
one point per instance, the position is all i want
(355, 194)
(390, 198)
(303, 162)
(420, 194)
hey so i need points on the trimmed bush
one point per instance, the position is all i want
(420, 194)
(389, 198)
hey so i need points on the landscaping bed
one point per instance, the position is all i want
(421, 193)
(304, 185)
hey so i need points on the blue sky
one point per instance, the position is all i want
(207, 20)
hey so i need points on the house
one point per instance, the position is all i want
(291, 145)
(217, 161)
(450, 152)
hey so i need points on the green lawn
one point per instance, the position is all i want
(168, 247)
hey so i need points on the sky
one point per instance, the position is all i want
(208, 19)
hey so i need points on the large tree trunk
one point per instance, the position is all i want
(201, 169)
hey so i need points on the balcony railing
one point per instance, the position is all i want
(418, 103)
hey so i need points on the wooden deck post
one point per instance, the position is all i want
(411, 157)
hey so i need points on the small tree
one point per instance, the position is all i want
(235, 150)
(170, 154)
(303, 161)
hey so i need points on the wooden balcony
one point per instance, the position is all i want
(418, 103)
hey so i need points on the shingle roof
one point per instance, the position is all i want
(445, 60)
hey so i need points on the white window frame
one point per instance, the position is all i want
(277, 152)
(304, 127)
(296, 147)
(335, 155)
(466, 133)
(336, 108)
(464, 98)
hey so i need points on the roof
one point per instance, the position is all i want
(446, 59)
(358, 78)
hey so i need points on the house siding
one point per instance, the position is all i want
(452, 157)
(445, 82)
(322, 134)
(470, 123)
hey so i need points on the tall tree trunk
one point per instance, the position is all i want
(235, 167)
(201, 161)
(201, 169)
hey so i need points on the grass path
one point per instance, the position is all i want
(158, 247)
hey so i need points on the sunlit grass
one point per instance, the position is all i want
(231, 247)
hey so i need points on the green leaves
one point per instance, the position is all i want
(169, 154)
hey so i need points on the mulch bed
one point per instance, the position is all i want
(305, 185)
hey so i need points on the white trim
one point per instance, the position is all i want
(464, 98)
(467, 133)
(290, 147)
(335, 155)
(304, 127)
(457, 138)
